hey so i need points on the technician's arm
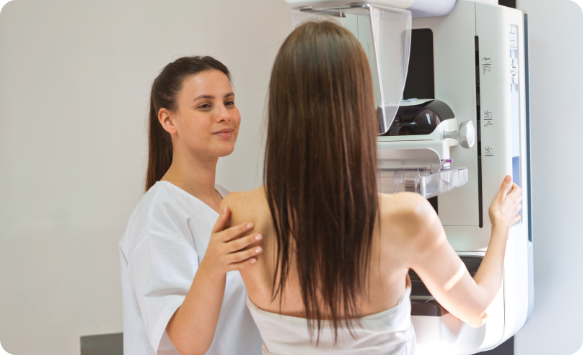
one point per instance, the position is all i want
(192, 327)
(446, 276)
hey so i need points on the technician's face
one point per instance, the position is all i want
(207, 120)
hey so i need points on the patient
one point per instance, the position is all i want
(336, 253)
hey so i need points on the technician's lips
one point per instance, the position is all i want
(224, 133)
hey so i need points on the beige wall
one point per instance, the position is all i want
(74, 80)
(74, 83)
(556, 52)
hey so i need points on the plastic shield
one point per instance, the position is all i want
(385, 36)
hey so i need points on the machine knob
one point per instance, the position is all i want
(466, 135)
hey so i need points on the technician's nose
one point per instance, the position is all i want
(223, 114)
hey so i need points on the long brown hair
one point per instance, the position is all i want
(320, 169)
(164, 94)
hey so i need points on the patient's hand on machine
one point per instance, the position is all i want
(446, 276)
(505, 207)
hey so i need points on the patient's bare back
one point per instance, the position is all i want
(393, 249)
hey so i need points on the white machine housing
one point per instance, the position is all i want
(481, 72)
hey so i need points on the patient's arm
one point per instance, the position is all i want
(443, 272)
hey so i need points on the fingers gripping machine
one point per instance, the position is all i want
(451, 89)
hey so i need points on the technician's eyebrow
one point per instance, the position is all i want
(204, 97)
(210, 97)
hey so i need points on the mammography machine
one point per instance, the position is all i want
(451, 89)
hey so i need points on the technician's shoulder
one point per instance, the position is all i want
(161, 210)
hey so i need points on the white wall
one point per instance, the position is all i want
(74, 83)
(556, 40)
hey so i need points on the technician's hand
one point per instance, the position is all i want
(226, 252)
(506, 205)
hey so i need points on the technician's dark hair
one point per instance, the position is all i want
(320, 170)
(165, 90)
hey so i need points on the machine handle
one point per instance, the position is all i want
(466, 135)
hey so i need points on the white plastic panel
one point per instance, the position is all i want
(494, 26)
(453, 37)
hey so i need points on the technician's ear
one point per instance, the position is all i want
(165, 118)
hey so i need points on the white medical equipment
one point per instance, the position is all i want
(451, 89)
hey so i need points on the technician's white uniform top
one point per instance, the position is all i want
(165, 241)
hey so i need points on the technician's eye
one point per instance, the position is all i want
(204, 106)
(230, 103)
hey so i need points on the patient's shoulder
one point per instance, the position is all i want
(405, 205)
(246, 203)
(243, 197)
(407, 215)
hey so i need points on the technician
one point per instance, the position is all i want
(179, 275)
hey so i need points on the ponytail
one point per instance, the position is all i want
(164, 94)
(160, 149)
